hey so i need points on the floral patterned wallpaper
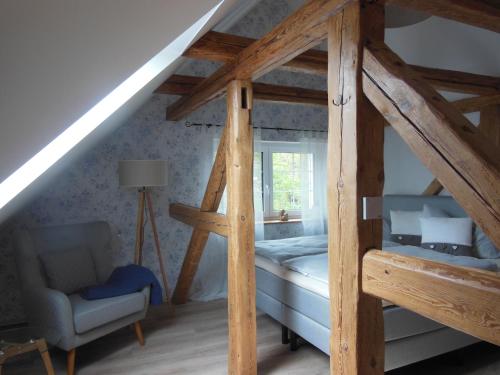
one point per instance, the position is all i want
(89, 190)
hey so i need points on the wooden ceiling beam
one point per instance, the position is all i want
(476, 103)
(480, 13)
(465, 161)
(222, 47)
(301, 31)
(455, 81)
(184, 85)
(466, 299)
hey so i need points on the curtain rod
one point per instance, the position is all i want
(189, 124)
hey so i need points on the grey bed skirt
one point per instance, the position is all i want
(409, 337)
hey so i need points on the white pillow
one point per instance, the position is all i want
(457, 231)
(406, 222)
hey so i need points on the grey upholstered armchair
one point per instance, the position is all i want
(54, 263)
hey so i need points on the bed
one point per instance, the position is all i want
(294, 291)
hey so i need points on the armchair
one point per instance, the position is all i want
(65, 319)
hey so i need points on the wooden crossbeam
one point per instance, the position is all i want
(184, 85)
(465, 161)
(210, 203)
(466, 299)
(299, 32)
(355, 169)
(455, 81)
(205, 221)
(225, 47)
(434, 188)
(241, 289)
(477, 103)
(215, 46)
(479, 13)
(178, 84)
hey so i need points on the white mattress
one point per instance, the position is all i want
(309, 283)
(294, 277)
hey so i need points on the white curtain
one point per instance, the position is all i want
(313, 177)
(258, 186)
(210, 281)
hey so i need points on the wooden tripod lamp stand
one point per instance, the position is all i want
(144, 175)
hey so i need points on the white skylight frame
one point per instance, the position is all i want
(76, 132)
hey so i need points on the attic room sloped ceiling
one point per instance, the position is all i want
(89, 63)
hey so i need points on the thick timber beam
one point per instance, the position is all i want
(299, 32)
(479, 13)
(465, 161)
(241, 237)
(185, 85)
(466, 299)
(455, 81)
(199, 237)
(205, 221)
(225, 48)
(355, 170)
(477, 103)
(215, 46)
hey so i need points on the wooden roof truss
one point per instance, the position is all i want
(368, 86)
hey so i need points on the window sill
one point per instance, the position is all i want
(278, 221)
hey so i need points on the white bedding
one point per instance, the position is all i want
(281, 250)
(316, 282)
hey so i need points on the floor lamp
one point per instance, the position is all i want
(144, 175)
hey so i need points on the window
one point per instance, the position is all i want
(283, 177)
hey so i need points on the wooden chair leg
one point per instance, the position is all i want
(138, 333)
(44, 353)
(70, 362)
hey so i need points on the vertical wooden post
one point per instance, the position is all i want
(355, 170)
(240, 215)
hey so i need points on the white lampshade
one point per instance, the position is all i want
(142, 173)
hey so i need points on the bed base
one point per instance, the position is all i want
(398, 352)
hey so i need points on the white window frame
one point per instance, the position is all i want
(267, 148)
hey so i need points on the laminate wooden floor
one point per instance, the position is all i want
(193, 340)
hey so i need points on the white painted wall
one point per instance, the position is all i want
(60, 57)
(438, 43)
